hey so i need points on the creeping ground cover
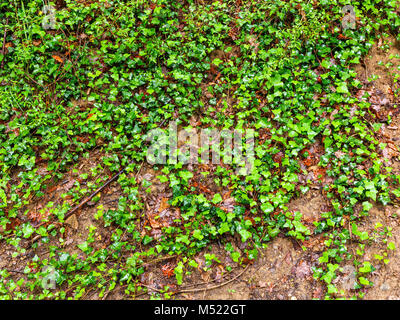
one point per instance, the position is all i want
(84, 213)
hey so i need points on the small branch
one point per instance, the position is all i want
(196, 289)
(16, 271)
(73, 210)
(80, 205)
(159, 260)
(213, 287)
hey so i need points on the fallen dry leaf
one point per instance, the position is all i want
(58, 58)
(72, 222)
(163, 205)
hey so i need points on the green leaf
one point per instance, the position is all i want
(245, 234)
(197, 235)
(366, 268)
(217, 198)
(342, 88)
(267, 208)
(367, 206)
(185, 175)
(27, 230)
(179, 272)
(235, 256)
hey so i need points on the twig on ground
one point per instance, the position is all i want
(195, 289)
(80, 205)
(213, 287)
(158, 260)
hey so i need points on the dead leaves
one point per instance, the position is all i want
(58, 58)
(14, 223)
(303, 269)
(38, 216)
(72, 221)
(381, 103)
(381, 108)
(390, 151)
(14, 130)
(162, 216)
(234, 33)
(167, 270)
(278, 157)
(163, 205)
(228, 204)
(253, 41)
(312, 155)
(201, 187)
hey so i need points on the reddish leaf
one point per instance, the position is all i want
(163, 205)
(57, 58)
(167, 270)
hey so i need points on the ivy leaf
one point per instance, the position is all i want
(342, 88)
(217, 198)
(267, 208)
(27, 230)
(245, 234)
(185, 175)
(197, 235)
(366, 268)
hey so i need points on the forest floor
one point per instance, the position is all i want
(283, 270)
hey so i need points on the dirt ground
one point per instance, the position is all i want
(283, 270)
